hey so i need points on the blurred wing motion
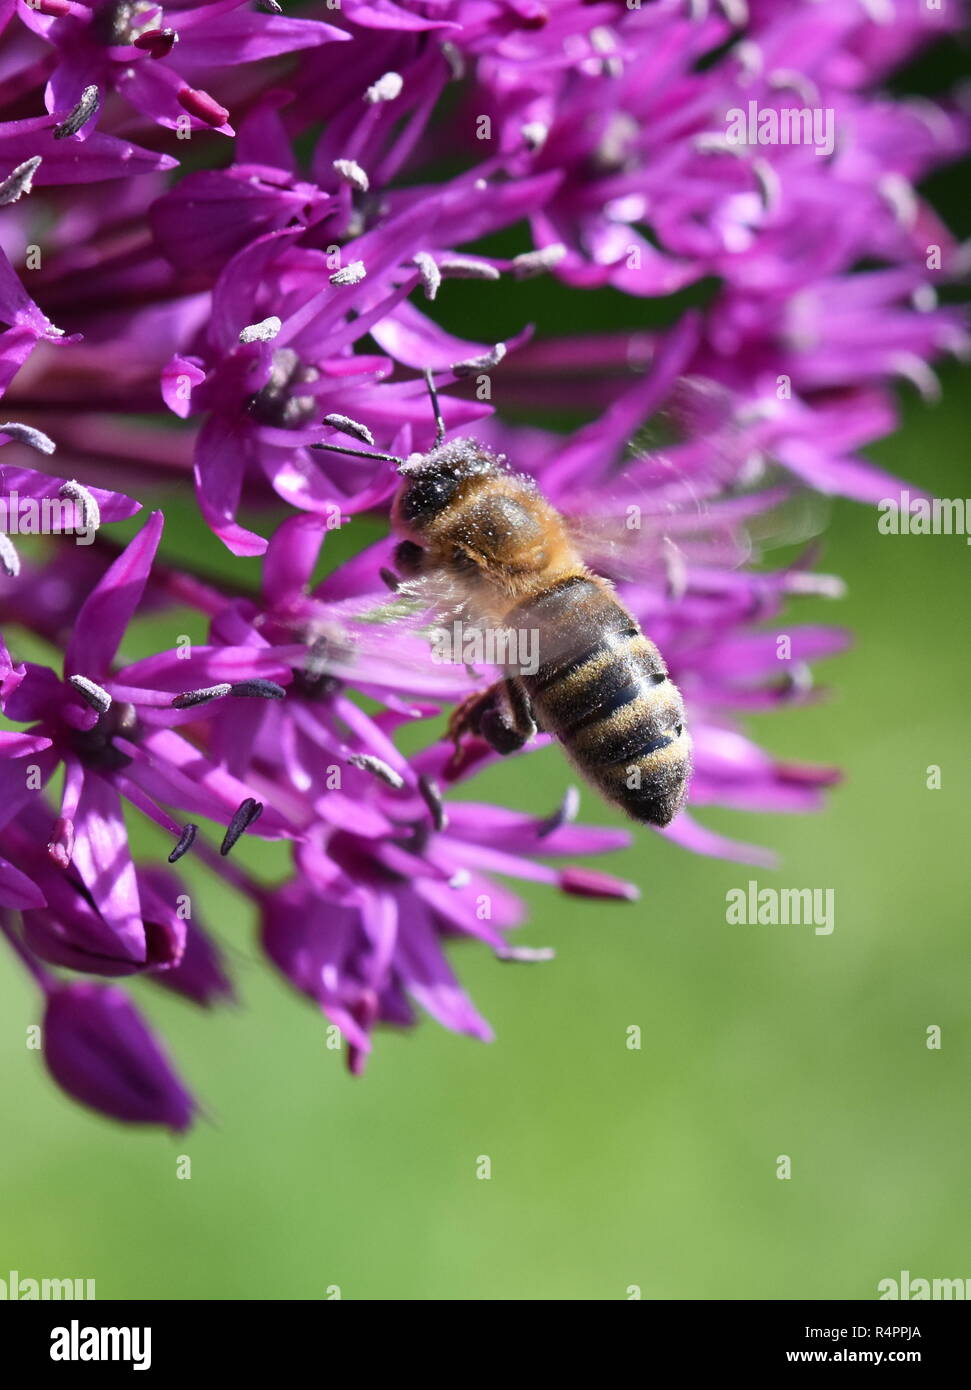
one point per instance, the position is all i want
(691, 495)
(388, 641)
(654, 540)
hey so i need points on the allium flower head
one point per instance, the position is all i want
(229, 240)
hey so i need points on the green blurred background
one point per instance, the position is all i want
(611, 1167)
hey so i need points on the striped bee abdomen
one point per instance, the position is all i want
(602, 688)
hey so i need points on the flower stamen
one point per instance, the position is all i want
(246, 813)
(77, 492)
(95, 695)
(378, 768)
(19, 180)
(432, 797)
(189, 698)
(88, 104)
(184, 842)
(26, 434)
(348, 426)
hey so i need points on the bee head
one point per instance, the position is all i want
(432, 481)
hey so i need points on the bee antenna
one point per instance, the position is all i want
(360, 453)
(393, 458)
(436, 407)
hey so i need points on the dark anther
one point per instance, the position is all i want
(432, 798)
(798, 681)
(416, 841)
(246, 814)
(185, 842)
(258, 688)
(82, 113)
(188, 698)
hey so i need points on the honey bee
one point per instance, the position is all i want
(593, 679)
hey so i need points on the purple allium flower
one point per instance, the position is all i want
(110, 734)
(245, 226)
(153, 56)
(98, 1050)
(362, 927)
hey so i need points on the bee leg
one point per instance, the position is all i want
(464, 718)
(502, 715)
(408, 559)
(520, 707)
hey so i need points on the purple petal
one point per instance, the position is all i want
(428, 977)
(219, 465)
(17, 891)
(291, 556)
(108, 609)
(103, 859)
(100, 1052)
(74, 160)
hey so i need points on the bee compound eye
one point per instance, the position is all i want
(427, 496)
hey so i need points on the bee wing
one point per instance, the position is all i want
(387, 640)
(798, 517)
(691, 494)
(651, 538)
